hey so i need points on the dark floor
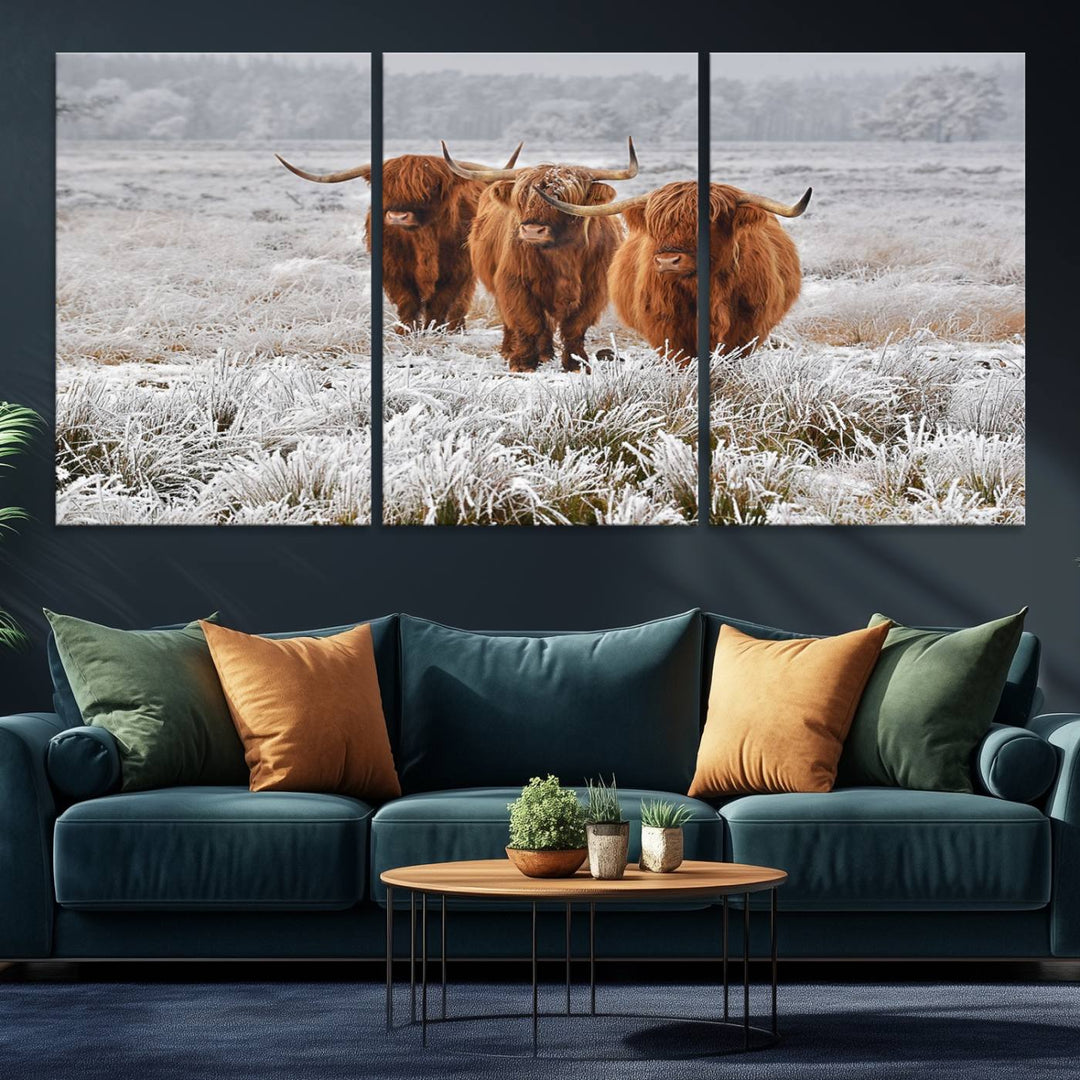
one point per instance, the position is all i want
(301, 1021)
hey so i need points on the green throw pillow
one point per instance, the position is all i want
(930, 699)
(158, 693)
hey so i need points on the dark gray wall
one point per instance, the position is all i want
(817, 579)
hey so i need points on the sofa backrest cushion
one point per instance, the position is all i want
(1016, 699)
(485, 710)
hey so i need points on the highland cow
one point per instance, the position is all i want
(546, 273)
(427, 212)
(754, 274)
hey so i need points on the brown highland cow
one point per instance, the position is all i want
(754, 274)
(545, 271)
(427, 212)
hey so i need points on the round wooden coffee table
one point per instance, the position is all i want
(498, 880)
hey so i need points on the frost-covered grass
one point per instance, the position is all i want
(213, 338)
(893, 393)
(917, 432)
(213, 355)
(235, 440)
(464, 445)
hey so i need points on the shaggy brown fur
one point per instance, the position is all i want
(557, 282)
(426, 270)
(753, 266)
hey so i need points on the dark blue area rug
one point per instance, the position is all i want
(334, 1031)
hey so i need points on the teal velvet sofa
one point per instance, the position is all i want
(87, 871)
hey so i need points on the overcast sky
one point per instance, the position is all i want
(761, 65)
(737, 65)
(545, 63)
(733, 65)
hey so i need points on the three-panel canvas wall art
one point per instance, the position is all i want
(538, 361)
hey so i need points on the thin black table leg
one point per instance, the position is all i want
(592, 959)
(772, 943)
(389, 958)
(535, 990)
(746, 971)
(569, 908)
(725, 959)
(442, 939)
(423, 969)
(412, 957)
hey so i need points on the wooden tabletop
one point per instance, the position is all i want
(499, 879)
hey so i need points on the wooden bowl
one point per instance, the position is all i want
(564, 863)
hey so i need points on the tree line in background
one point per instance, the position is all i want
(192, 96)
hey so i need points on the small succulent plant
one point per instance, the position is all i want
(659, 814)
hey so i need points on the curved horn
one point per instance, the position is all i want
(600, 210)
(773, 206)
(628, 173)
(468, 172)
(328, 178)
(514, 156)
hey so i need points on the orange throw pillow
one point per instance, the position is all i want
(308, 711)
(779, 711)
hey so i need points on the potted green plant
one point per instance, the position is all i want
(17, 424)
(608, 832)
(662, 835)
(547, 830)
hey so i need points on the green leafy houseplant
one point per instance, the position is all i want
(658, 814)
(17, 424)
(546, 817)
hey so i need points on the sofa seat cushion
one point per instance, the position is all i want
(889, 849)
(212, 849)
(473, 823)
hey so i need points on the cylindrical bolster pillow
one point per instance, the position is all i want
(83, 762)
(1014, 763)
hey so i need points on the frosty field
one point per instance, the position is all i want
(894, 390)
(213, 354)
(213, 337)
(467, 442)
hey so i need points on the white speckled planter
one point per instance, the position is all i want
(608, 844)
(661, 849)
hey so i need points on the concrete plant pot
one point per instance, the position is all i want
(661, 849)
(608, 845)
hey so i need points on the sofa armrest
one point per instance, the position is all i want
(1062, 731)
(27, 813)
